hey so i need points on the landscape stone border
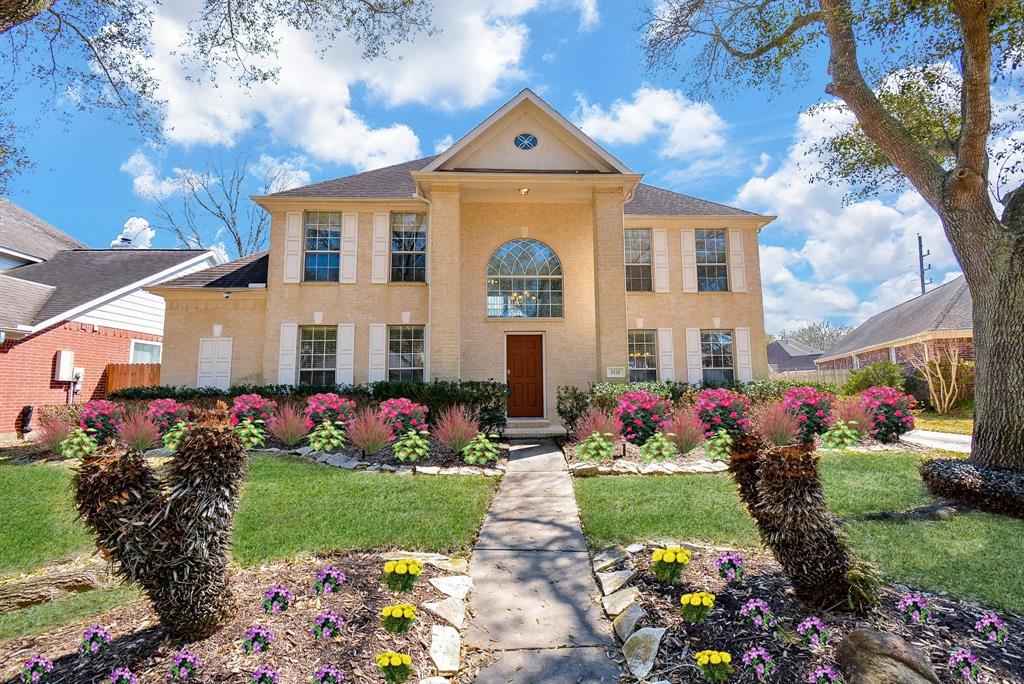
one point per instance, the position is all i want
(588, 469)
(349, 463)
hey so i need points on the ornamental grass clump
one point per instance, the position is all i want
(684, 430)
(95, 639)
(138, 433)
(264, 674)
(730, 566)
(328, 581)
(599, 421)
(122, 675)
(288, 426)
(277, 599)
(697, 606)
(257, 639)
(641, 414)
(668, 563)
(328, 674)
(172, 438)
(184, 666)
(252, 407)
(758, 613)
(327, 625)
(327, 437)
(596, 447)
(891, 412)
(812, 408)
(100, 419)
(394, 667)
(965, 665)
(398, 618)
(823, 674)
(716, 666)
(403, 414)
(78, 444)
(914, 609)
(401, 575)
(992, 628)
(412, 446)
(370, 432)
(813, 631)
(331, 407)
(658, 447)
(776, 425)
(50, 433)
(36, 670)
(482, 450)
(166, 413)
(852, 411)
(456, 427)
(759, 662)
(250, 435)
(723, 409)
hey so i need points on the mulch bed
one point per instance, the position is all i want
(951, 624)
(625, 451)
(439, 455)
(142, 645)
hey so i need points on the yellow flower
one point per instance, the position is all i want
(406, 660)
(669, 557)
(396, 659)
(407, 613)
(715, 659)
(707, 601)
(386, 611)
(702, 660)
(726, 658)
(657, 555)
(415, 569)
(695, 600)
(389, 567)
(401, 568)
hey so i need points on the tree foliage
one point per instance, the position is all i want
(822, 334)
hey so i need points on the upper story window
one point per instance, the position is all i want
(323, 246)
(408, 247)
(712, 267)
(638, 260)
(524, 280)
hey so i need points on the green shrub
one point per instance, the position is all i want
(412, 446)
(483, 449)
(572, 404)
(767, 390)
(841, 436)
(596, 447)
(605, 395)
(250, 435)
(718, 447)
(78, 444)
(880, 374)
(326, 437)
(658, 448)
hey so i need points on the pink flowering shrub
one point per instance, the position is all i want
(812, 408)
(403, 415)
(891, 410)
(166, 413)
(252, 407)
(641, 414)
(723, 409)
(601, 422)
(101, 418)
(331, 407)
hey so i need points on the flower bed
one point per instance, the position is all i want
(294, 653)
(953, 624)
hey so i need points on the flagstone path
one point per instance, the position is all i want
(535, 601)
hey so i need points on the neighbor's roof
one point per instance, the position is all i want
(21, 300)
(947, 307)
(250, 270)
(80, 276)
(28, 234)
(787, 355)
(396, 181)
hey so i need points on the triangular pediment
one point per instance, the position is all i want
(557, 145)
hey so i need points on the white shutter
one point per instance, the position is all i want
(689, 241)
(214, 363)
(694, 367)
(287, 354)
(293, 246)
(739, 267)
(378, 352)
(349, 240)
(666, 355)
(659, 255)
(744, 369)
(345, 354)
(380, 249)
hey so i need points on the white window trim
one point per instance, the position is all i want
(131, 352)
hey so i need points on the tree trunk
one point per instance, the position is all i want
(16, 12)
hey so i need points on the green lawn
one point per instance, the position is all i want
(958, 424)
(977, 555)
(66, 609)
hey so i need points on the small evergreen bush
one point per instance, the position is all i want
(880, 374)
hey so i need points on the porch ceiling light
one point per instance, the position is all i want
(524, 191)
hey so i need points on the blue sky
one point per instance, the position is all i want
(330, 117)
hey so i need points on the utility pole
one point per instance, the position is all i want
(921, 254)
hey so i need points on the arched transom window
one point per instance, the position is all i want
(524, 280)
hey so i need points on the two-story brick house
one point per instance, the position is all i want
(525, 252)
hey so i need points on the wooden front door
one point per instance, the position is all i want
(524, 355)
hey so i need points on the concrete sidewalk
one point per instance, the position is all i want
(535, 602)
(938, 440)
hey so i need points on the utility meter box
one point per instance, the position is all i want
(65, 370)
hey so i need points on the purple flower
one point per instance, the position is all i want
(814, 631)
(184, 665)
(94, 640)
(992, 628)
(758, 612)
(328, 674)
(257, 639)
(964, 663)
(122, 675)
(759, 661)
(36, 669)
(277, 599)
(328, 580)
(730, 566)
(823, 674)
(264, 674)
(914, 608)
(327, 624)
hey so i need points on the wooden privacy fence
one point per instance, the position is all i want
(121, 375)
(834, 375)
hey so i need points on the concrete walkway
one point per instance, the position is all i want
(535, 602)
(938, 440)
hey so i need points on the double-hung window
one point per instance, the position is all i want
(716, 349)
(643, 355)
(322, 261)
(408, 247)
(318, 345)
(712, 267)
(406, 352)
(638, 260)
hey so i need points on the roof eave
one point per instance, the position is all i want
(269, 202)
(901, 342)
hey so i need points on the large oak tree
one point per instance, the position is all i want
(917, 77)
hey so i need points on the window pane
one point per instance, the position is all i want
(712, 265)
(643, 355)
(638, 260)
(408, 247)
(406, 353)
(322, 259)
(717, 356)
(524, 280)
(144, 352)
(317, 360)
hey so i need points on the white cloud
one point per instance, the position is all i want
(443, 144)
(146, 182)
(135, 234)
(589, 15)
(762, 163)
(687, 128)
(281, 173)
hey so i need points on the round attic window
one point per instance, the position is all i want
(526, 141)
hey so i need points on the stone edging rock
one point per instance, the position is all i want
(586, 469)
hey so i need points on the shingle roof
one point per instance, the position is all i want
(947, 307)
(396, 181)
(21, 300)
(82, 275)
(23, 232)
(788, 355)
(250, 270)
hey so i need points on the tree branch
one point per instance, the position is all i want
(778, 41)
(976, 94)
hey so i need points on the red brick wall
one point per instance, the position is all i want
(835, 364)
(27, 366)
(873, 356)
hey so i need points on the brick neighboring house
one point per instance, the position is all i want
(789, 355)
(895, 334)
(65, 298)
